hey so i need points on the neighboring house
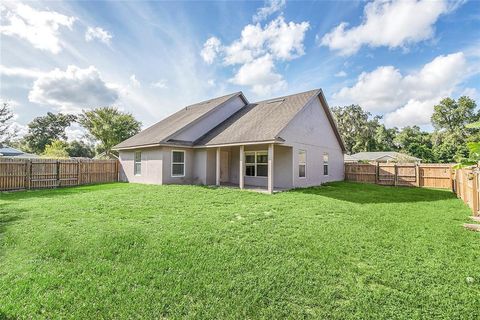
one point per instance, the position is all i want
(280, 143)
(381, 156)
(6, 151)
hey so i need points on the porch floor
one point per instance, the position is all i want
(250, 187)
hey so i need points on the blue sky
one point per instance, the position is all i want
(394, 58)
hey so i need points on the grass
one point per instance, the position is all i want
(341, 251)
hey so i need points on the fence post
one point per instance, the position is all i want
(417, 175)
(28, 174)
(395, 173)
(58, 173)
(474, 194)
(377, 172)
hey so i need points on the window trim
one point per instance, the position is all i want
(302, 163)
(172, 163)
(135, 162)
(255, 164)
(326, 164)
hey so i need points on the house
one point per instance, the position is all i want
(381, 156)
(9, 152)
(281, 143)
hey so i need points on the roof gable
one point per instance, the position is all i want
(259, 121)
(166, 128)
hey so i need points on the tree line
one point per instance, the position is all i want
(447, 143)
(105, 127)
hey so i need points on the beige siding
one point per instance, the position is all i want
(151, 166)
(311, 131)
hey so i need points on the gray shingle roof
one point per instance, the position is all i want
(7, 151)
(255, 122)
(161, 131)
(374, 155)
(259, 121)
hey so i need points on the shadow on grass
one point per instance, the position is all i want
(56, 192)
(3, 316)
(369, 193)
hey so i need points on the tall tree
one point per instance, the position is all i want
(450, 119)
(57, 149)
(6, 117)
(453, 116)
(109, 126)
(415, 142)
(44, 130)
(80, 149)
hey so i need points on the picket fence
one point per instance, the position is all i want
(466, 187)
(18, 174)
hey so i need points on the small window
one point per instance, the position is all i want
(256, 164)
(137, 166)
(178, 163)
(325, 164)
(302, 163)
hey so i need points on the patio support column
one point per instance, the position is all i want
(241, 174)
(217, 168)
(270, 168)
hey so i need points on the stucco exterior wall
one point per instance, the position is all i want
(206, 124)
(311, 131)
(189, 177)
(151, 171)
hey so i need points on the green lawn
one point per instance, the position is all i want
(341, 251)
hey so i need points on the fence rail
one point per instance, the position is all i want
(17, 174)
(401, 174)
(466, 187)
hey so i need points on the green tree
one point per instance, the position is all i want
(356, 128)
(385, 138)
(450, 120)
(57, 149)
(80, 149)
(6, 117)
(109, 126)
(42, 131)
(415, 142)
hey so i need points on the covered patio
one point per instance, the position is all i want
(263, 167)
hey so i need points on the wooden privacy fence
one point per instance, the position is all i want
(466, 187)
(16, 174)
(401, 174)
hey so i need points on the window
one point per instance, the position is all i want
(325, 164)
(302, 163)
(137, 166)
(178, 163)
(256, 164)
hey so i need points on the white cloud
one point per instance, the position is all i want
(276, 41)
(341, 74)
(40, 28)
(210, 50)
(271, 6)
(20, 72)
(260, 75)
(211, 82)
(134, 82)
(391, 23)
(98, 33)
(73, 89)
(406, 98)
(161, 84)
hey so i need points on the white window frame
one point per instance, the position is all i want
(326, 163)
(255, 163)
(135, 162)
(302, 163)
(172, 163)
